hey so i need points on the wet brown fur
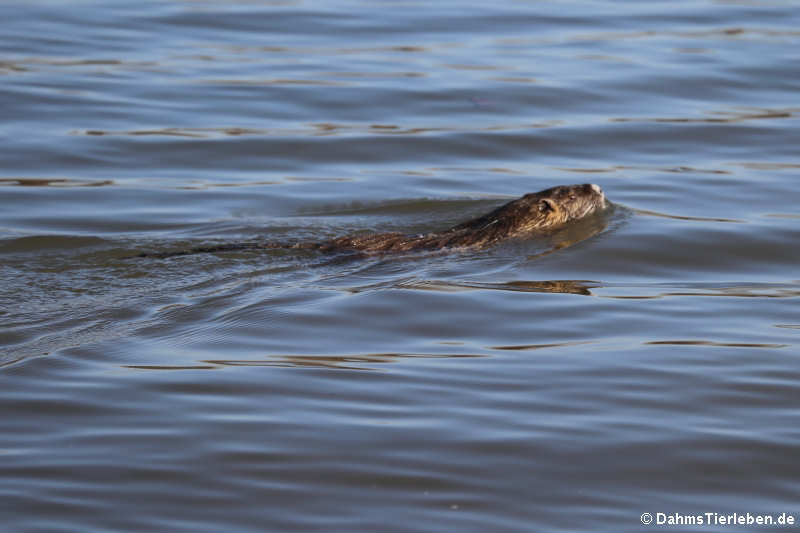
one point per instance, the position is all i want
(532, 214)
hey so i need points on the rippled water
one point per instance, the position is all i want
(643, 361)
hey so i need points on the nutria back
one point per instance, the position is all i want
(534, 214)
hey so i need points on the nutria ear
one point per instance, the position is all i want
(546, 204)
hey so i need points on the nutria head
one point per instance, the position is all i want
(533, 213)
(559, 205)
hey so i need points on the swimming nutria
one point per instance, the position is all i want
(533, 214)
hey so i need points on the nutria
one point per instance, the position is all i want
(533, 214)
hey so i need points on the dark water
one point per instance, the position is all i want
(650, 366)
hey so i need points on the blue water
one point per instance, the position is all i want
(641, 362)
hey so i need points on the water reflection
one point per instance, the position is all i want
(767, 165)
(531, 347)
(580, 287)
(739, 290)
(331, 362)
(32, 64)
(54, 182)
(726, 117)
(711, 34)
(622, 291)
(719, 344)
(11, 67)
(648, 212)
(271, 81)
(321, 129)
(680, 169)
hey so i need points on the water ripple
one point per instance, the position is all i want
(491, 390)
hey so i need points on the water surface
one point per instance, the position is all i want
(648, 366)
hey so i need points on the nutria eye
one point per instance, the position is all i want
(572, 196)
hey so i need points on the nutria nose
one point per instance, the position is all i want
(596, 188)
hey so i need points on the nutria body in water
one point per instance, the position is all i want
(533, 214)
